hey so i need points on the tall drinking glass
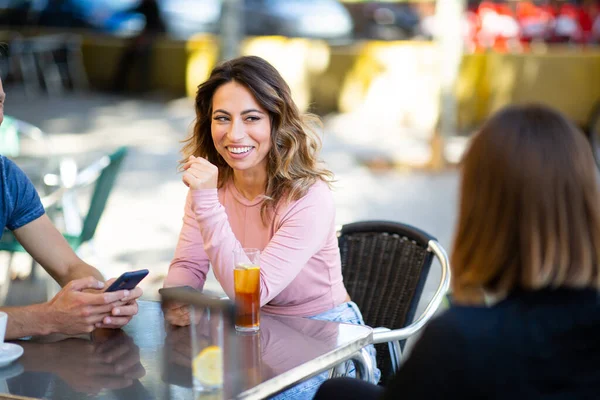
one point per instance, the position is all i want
(246, 279)
(207, 351)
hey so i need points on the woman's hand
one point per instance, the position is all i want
(177, 314)
(200, 174)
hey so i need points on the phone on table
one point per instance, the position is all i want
(128, 280)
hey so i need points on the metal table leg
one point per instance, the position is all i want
(364, 365)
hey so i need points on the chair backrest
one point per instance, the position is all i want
(103, 187)
(385, 265)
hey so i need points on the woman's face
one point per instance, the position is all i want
(240, 128)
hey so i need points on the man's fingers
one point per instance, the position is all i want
(136, 372)
(125, 302)
(127, 361)
(115, 354)
(105, 297)
(126, 310)
(85, 283)
(135, 293)
(114, 322)
(102, 310)
(94, 317)
(100, 325)
(110, 282)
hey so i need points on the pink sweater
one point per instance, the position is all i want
(300, 261)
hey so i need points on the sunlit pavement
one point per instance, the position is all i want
(141, 223)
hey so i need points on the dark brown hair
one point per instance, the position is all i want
(529, 213)
(293, 165)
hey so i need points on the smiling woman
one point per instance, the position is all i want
(244, 100)
(255, 181)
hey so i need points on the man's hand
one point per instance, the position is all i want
(122, 311)
(73, 312)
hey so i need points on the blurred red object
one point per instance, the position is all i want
(498, 27)
(535, 21)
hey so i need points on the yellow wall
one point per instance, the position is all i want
(169, 61)
(562, 78)
(326, 79)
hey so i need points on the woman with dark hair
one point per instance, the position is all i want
(525, 273)
(255, 181)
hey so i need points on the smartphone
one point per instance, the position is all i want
(128, 281)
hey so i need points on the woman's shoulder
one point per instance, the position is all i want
(318, 198)
(320, 187)
(318, 193)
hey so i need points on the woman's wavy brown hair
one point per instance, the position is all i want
(293, 165)
(530, 208)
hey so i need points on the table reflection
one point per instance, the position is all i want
(150, 359)
(281, 344)
(107, 360)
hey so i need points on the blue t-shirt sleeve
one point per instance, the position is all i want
(24, 204)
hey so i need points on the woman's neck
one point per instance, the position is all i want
(250, 185)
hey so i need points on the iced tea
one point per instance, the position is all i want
(247, 296)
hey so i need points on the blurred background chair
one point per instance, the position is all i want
(29, 147)
(50, 63)
(102, 174)
(385, 265)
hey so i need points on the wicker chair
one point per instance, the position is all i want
(385, 265)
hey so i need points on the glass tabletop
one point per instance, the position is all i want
(152, 360)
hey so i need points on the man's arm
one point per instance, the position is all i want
(49, 248)
(27, 321)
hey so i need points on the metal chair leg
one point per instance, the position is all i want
(364, 366)
(395, 354)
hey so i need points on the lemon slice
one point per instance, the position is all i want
(208, 366)
(247, 266)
